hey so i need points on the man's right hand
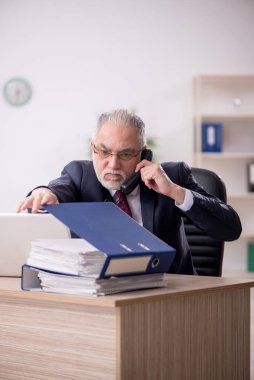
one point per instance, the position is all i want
(38, 197)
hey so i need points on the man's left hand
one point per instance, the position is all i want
(155, 178)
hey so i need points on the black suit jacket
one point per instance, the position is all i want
(78, 183)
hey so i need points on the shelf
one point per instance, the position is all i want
(228, 100)
(225, 78)
(223, 117)
(225, 155)
(247, 235)
(245, 196)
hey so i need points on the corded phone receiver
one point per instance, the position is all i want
(132, 182)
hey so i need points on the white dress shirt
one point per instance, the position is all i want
(135, 205)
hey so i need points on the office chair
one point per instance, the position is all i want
(207, 253)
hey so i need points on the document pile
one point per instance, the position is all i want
(73, 266)
(112, 253)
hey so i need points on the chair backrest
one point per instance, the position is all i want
(207, 253)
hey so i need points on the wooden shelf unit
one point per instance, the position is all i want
(229, 100)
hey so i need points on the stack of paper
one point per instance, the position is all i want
(69, 256)
(73, 266)
(83, 285)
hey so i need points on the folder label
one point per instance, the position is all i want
(127, 265)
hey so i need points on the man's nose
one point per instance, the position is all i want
(114, 161)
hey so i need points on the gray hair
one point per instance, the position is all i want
(124, 118)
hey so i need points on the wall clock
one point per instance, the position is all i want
(17, 91)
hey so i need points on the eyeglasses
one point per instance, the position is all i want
(123, 156)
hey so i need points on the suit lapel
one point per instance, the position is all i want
(147, 199)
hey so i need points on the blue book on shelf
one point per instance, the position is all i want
(129, 248)
(211, 137)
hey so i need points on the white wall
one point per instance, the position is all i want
(83, 57)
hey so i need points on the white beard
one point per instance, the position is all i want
(110, 185)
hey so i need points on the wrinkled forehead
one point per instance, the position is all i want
(115, 134)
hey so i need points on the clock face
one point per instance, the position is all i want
(17, 92)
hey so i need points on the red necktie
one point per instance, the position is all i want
(121, 202)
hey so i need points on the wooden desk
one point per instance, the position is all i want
(197, 328)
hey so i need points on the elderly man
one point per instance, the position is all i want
(158, 200)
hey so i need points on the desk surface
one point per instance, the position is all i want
(176, 285)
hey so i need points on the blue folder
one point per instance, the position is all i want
(211, 137)
(117, 235)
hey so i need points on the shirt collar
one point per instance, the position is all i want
(133, 194)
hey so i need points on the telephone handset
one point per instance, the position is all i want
(132, 182)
